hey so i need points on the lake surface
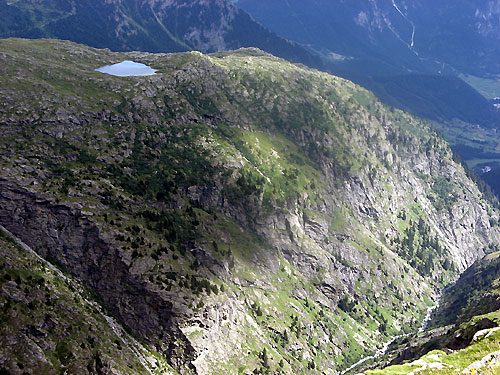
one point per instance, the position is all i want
(127, 69)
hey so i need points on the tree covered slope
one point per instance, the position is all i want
(493, 179)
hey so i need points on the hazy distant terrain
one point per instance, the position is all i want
(392, 36)
(146, 25)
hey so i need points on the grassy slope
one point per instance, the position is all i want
(452, 363)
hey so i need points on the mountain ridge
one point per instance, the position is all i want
(384, 65)
(243, 197)
(147, 25)
(414, 55)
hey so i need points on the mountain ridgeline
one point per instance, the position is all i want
(410, 53)
(365, 42)
(234, 213)
(147, 25)
(435, 59)
(429, 58)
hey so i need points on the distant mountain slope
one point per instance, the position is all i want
(394, 36)
(436, 97)
(493, 179)
(146, 25)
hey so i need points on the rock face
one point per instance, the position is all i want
(236, 212)
(62, 234)
(51, 325)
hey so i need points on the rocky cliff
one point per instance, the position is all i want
(236, 212)
(51, 323)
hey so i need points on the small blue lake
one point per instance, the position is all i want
(127, 69)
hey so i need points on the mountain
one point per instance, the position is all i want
(233, 213)
(383, 43)
(392, 36)
(146, 25)
(366, 42)
(431, 58)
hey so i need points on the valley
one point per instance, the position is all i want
(468, 340)
(186, 189)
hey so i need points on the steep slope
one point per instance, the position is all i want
(480, 357)
(414, 55)
(51, 323)
(406, 52)
(236, 212)
(146, 25)
(475, 293)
